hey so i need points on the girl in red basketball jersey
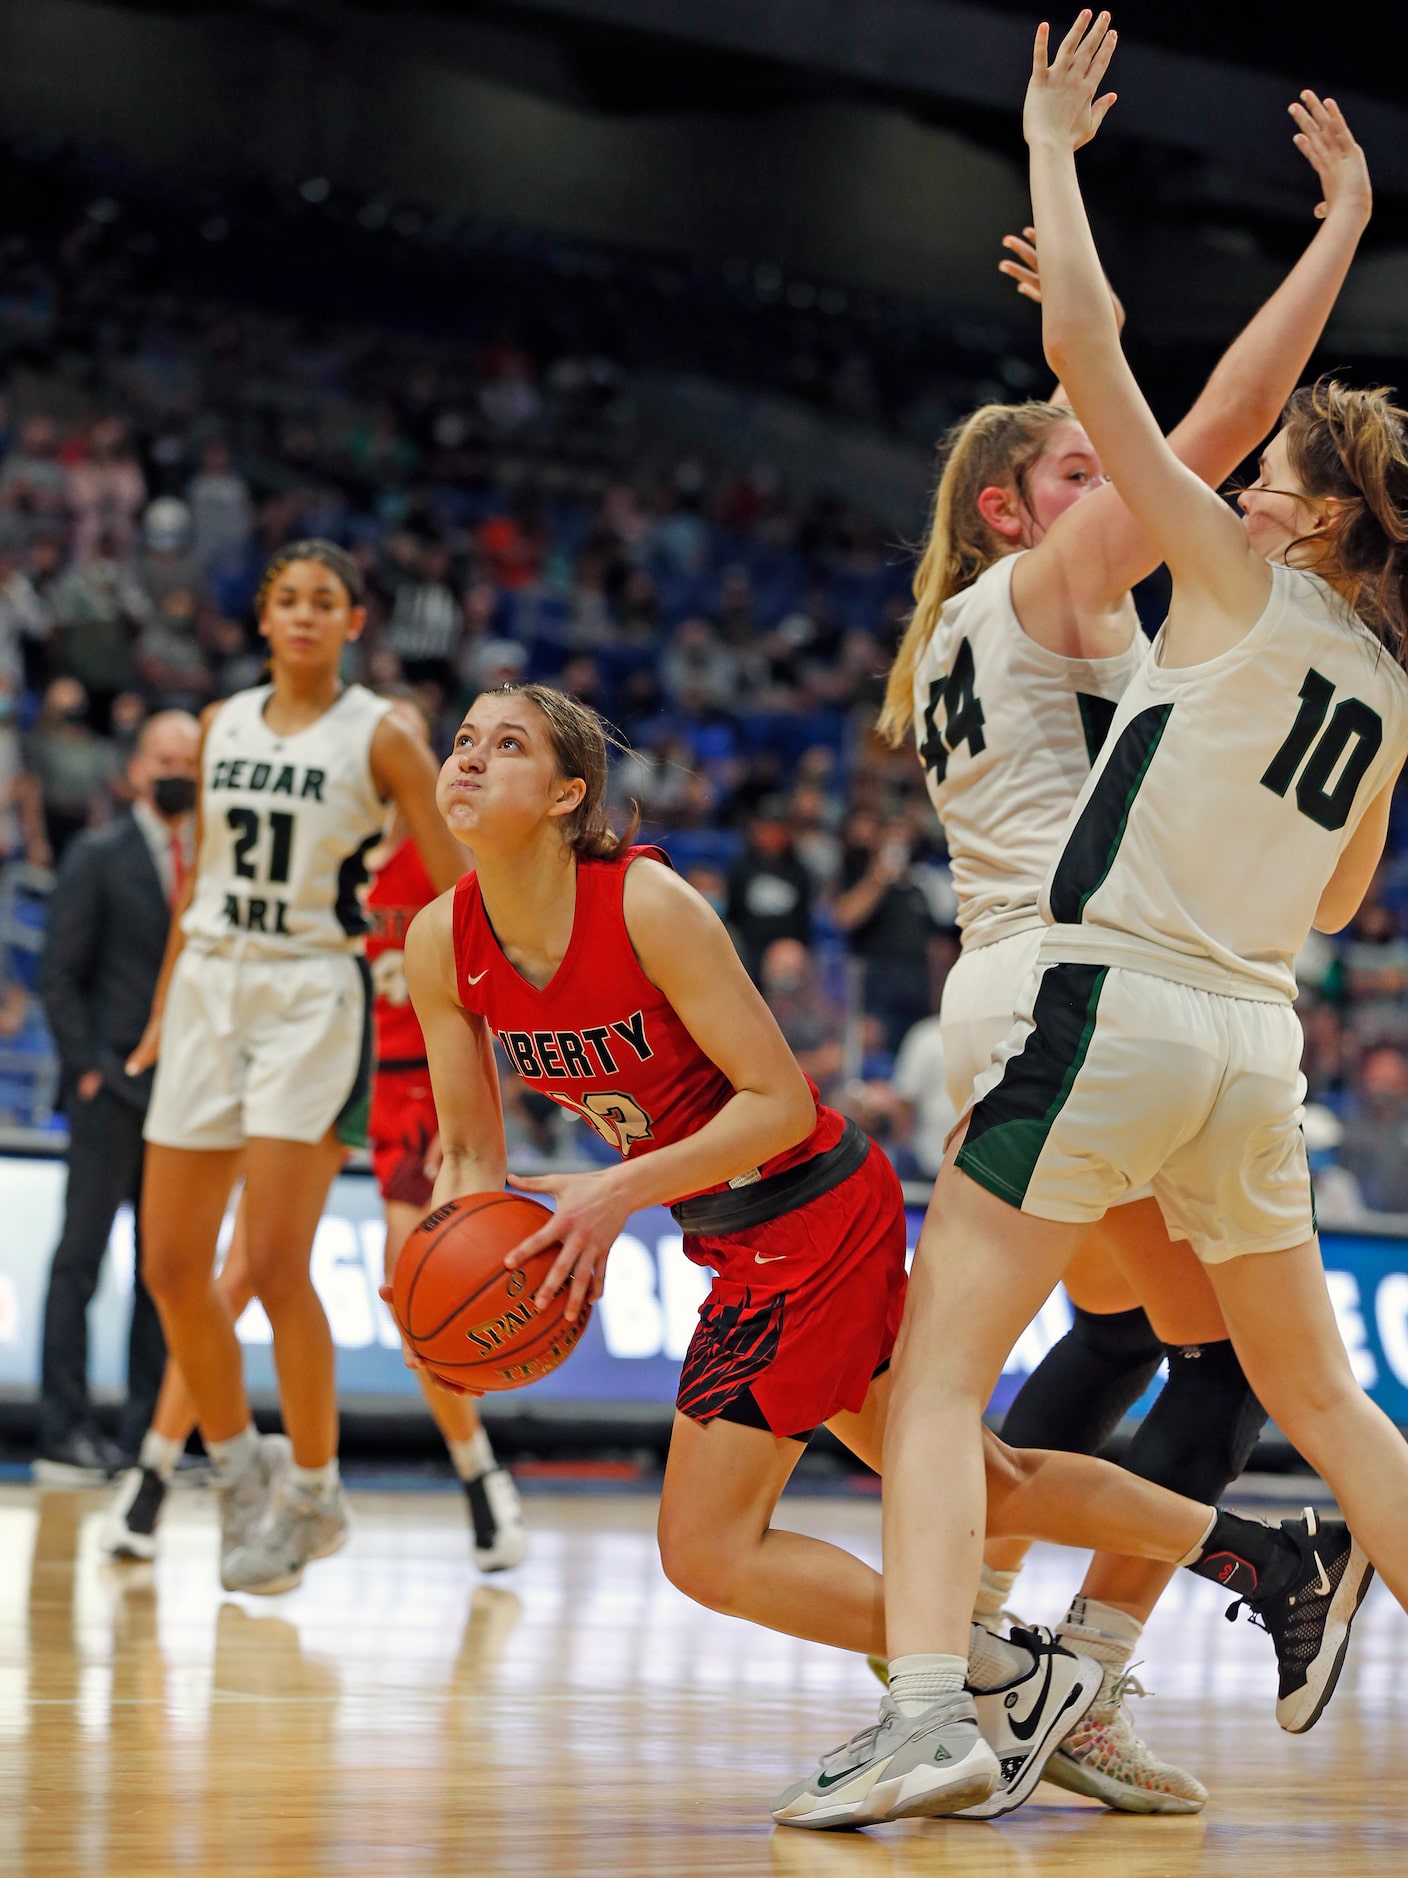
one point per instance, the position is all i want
(403, 1135)
(616, 990)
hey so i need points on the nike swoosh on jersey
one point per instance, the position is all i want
(768, 1258)
(471, 979)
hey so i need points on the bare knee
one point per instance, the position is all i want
(1008, 1470)
(277, 1277)
(174, 1277)
(703, 1565)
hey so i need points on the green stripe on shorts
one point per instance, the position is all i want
(1009, 1127)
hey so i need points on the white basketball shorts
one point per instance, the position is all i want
(981, 995)
(259, 1047)
(1112, 1078)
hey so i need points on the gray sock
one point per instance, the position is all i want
(230, 1458)
(159, 1453)
(315, 1483)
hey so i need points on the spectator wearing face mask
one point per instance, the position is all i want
(107, 933)
(769, 888)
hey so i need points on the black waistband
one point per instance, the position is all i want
(737, 1209)
(398, 1065)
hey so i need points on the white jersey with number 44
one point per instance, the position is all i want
(1224, 797)
(286, 822)
(1007, 732)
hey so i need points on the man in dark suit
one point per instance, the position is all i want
(108, 922)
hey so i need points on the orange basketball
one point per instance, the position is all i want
(470, 1320)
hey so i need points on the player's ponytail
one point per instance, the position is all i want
(580, 738)
(1353, 445)
(997, 445)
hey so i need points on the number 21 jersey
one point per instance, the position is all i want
(1225, 795)
(286, 822)
(1007, 732)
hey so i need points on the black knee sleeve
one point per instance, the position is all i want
(1200, 1433)
(1075, 1397)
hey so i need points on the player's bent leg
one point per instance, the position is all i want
(718, 1545)
(495, 1510)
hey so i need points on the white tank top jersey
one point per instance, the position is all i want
(1007, 732)
(1224, 796)
(286, 822)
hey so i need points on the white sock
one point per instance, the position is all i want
(160, 1453)
(1101, 1631)
(917, 1682)
(315, 1483)
(993, 1661)
(473, 1457)
(994, 1589)
(230, 1458)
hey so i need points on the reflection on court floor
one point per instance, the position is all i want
(398, 1714)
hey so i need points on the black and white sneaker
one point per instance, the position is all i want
(500, 1537)
(80, 1458)
(1309, 1615)
(1026, 1720)
(129, 1525)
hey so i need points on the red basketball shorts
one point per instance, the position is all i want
(400, 1129)
(803, 1311)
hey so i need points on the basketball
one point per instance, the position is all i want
(470, 1320)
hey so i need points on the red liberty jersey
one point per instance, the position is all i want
(600, 1038)
(398, 893)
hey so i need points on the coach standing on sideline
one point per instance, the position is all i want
(108, 921)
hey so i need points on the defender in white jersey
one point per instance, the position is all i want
(260, 1033)
(268, 1006)
(1007, 730)
(1123, 1073)
(1023, 641)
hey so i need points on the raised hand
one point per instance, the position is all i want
(1027, 273)
(1061, 106)
(1327, 144)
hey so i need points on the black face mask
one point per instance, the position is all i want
(174, 795)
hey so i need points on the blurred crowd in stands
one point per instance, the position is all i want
(513, 520)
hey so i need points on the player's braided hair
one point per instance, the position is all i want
(327, 554)
(580, 739)
(996, 445)
(1353, 445)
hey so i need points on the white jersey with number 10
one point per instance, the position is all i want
(286, 822)
(1224, 797)
(1007, 732)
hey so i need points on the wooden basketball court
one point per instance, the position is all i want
(399, 1715)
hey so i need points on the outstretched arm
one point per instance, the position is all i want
(1186, 524)
(1096, 550)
